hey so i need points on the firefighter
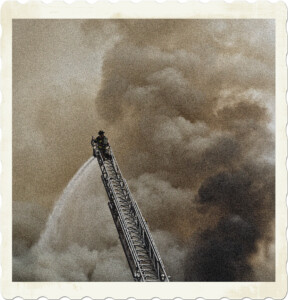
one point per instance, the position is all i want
(102, 143)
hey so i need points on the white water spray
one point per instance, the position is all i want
(51, 233)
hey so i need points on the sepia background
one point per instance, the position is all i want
(188, 107)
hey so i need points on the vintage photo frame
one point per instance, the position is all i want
(146, 10)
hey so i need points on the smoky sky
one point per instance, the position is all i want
(188, 107)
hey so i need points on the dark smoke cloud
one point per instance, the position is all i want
(221, 254)
(247, 198)
(248, 192)
(188, 107)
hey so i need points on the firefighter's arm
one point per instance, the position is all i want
(93, 141)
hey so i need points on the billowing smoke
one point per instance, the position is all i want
(188, 107)
(196, 118)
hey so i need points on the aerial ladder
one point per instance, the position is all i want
(137, 242)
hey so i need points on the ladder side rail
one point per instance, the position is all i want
(157, 259)
(121, 217)
(158, 262)
(156, 256)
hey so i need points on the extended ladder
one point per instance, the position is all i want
(140, 250)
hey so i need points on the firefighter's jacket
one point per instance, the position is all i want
(102, 142)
